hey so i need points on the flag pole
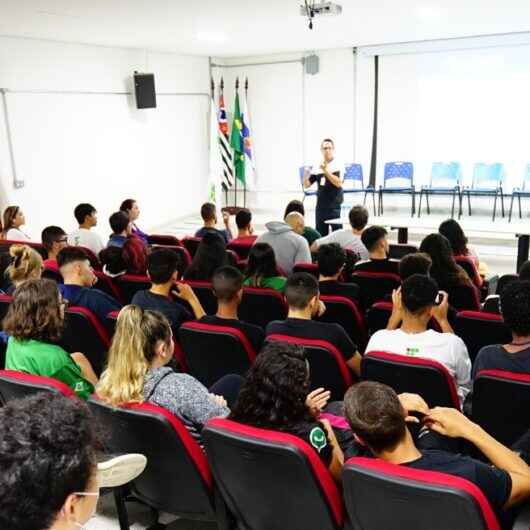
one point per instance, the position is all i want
(246, 119)
(235, 171)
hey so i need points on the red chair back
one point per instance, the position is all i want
(129, 284)
(375, 286)
(164, 240)
(191, 244)
(310, 268)
(261, 306)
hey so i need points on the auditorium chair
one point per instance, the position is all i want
(163, 240)
(271, 480)
(343, 311)
(445, 180)
(398, 178)
(5, 245)
(84, 333)
(353, 182)
(488, 180)
(17, 385)
(260, 306)
(177, 478)
(52, 274)
(504, 280)
(191, 244)
(310, 268)
(412, 499)
(214, 351)
(204, 292)
(129, 284)
(404, 373)
(327, 366)
(241, 248)
(182, 252)
(398, 250)
(471, 270)
(464, 298)
(523, 191)
(478, 329)
(106, 284)
(501, 401)
(375, 286)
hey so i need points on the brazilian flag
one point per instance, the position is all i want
(236, 142)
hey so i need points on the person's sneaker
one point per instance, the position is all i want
(120, 470)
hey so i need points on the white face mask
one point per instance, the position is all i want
(86, 494)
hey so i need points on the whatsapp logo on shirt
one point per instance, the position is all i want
(317, 438)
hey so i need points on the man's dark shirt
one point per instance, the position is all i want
(311, 329)
(329, 196)
(205, 229)
(253, 333)
(495, 357)
(335, 288)
(378, 265)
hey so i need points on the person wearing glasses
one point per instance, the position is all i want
(328, 176)
(54, 239)
(34, 323)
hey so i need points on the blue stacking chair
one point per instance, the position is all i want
(524, 191)
(398, 178)
(353, 173)
(487, 181)
(445, 180)
(307, 193)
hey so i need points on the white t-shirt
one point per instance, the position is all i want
(82, 237)
(446, 348)
(333, 167)
(14, 234)
(347, 240)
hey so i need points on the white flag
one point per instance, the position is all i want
(250, 164)
(216, 164)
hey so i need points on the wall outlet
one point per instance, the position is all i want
(19, 184)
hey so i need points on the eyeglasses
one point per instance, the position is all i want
(87, 493)
(62, 240)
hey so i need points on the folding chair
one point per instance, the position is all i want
(353, 182)
(523, 191)
(445, 180)
(488, 180)
(398, 178)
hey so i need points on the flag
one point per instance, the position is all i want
(216, 163)
(226, 150)
(236, 141)
(248, 147)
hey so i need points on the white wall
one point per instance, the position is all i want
(291, 111)
(99, 148)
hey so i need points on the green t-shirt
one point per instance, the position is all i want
(49, 360)
(274, 282)
(311, 235)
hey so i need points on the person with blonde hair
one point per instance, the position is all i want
(13, 220)
(26, 264)
(136, 372)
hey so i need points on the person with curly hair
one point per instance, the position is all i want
(275, 395)
(34, 323)
(50, 478)
(26, 264)
(515, 356)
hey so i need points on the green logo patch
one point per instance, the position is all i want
(318, 439)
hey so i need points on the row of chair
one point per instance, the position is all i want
(245, 465)
(446, 179)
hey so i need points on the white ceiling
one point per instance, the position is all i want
(226, 28)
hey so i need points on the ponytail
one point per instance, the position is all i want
(26, 263)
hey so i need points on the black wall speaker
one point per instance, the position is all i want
(144, 89)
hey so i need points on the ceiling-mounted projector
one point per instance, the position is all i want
(311, 9)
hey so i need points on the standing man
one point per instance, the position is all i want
(330, 195)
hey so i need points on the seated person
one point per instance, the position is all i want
(54, 239)
(130, 207)
(26, 264)
(415, 263)
(227, 283)
(84, 236)
(492, 302)
(79, 278)
(289, 246)
(136, 375)
(34, 323)
(309, 233)
(275, 396)
(414, 304)
(513, 357)
(211, 254)
(331, 259)
(301, 292)
(245, 230)
(349, 238)
(131, 258)
(261, 269)
(209, 216)
(163, 268)
(375, 240)
(48, 449)
(377, 419)
(121, 229)
(13, 219)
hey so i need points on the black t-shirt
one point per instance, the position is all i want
(335, 288)
(495, 483)
(495, 357)
(378, 265)
(311, 329)
(173, 311)
(314, 435)
(225, 234)
(253, 333)
(329, 196)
